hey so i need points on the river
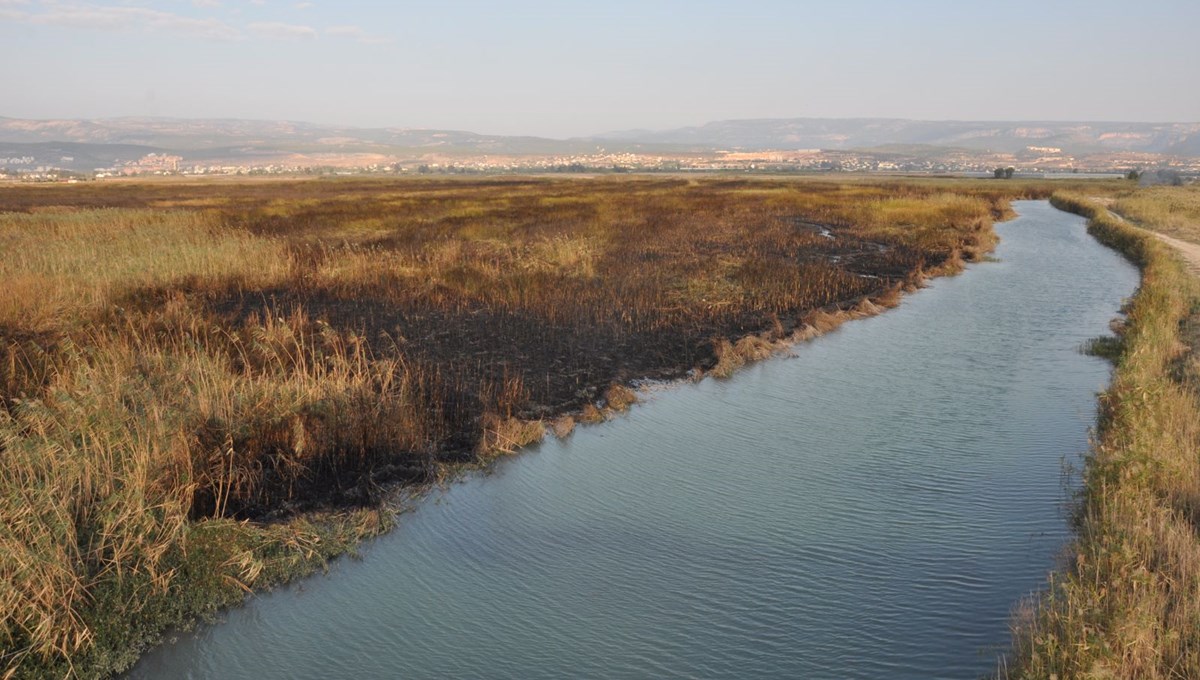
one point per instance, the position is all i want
(873, 506)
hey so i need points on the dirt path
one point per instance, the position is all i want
(1189, 251)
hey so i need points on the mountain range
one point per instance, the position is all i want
(1181, 139)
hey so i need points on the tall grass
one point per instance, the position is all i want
(135, 424)
(1127, 605)
(55, 265)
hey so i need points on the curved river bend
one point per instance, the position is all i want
(873, 507)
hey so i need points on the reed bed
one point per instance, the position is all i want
(1127, 602)
(205, 388)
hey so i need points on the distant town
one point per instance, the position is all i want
(1034, 160)
(106, 149)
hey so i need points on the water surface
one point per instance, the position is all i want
(872, 507)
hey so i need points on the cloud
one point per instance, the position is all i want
(132, 18)
(275, 29)
(304, 5)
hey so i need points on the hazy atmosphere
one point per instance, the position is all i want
(526, 340)
(564, 69)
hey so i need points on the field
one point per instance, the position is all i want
(208, 388)
(1127, 602)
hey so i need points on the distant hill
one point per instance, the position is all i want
(183, 135)
(77, 156)
(89, 144)
(829, 133)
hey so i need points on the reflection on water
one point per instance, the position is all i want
(872, 507)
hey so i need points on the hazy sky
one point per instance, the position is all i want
(567, 68)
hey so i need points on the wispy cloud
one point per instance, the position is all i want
(131, 18)
(275, 29)
(108, 17)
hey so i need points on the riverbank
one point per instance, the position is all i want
(1126, 604)
(211, 389)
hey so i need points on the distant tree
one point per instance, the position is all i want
(1008, 172)
(1133, 174)
(998, 173)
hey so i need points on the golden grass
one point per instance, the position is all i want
(57, 265)
(1174, 211)
(131, 440)
(1127, 604)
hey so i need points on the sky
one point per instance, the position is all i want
(566, 68)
